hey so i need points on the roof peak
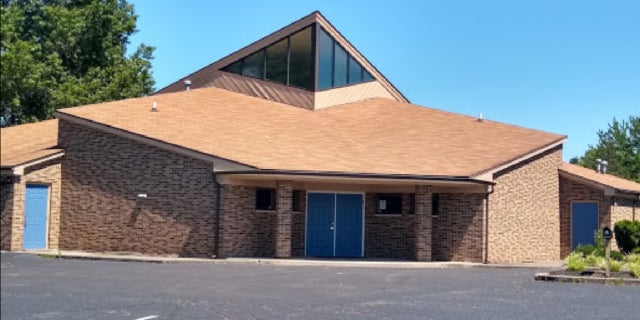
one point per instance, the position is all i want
(297, 65)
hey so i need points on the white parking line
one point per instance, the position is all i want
(147, 317)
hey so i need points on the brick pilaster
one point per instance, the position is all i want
(17, 222)
(283, 224)
(423, 223)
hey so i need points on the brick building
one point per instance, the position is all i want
(292, 146)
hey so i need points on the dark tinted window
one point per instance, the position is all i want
(301, 59)
(389, 203)
(235, 67)
(325, 60)
(253, 65)
(277, 62)
(265, 199)
(340, 66)
(355, 71)
(435, 204)
(366, 76)
(296, 200)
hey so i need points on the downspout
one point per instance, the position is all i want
(486, 225)
(216, 245)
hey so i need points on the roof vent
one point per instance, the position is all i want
(598, 165)
(480, 117)
(154, 107)
(187, 85)
(604, 167)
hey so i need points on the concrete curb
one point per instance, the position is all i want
(579, 279)
(287, 262)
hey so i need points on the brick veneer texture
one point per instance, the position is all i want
(13, 204)
(283, 219)
(102, 176)
(523, 211)
(610, 210)
(571, 191)
(245, 232)
(6, 218)
(389, 236)
(298, 227)
(458, 228)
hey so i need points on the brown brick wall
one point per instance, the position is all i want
(103, 174)
(298, 227)
(458, 229)
(13, 204)
(245, 232)
(389, 236)
(523, 211)
(6, 218)
(571, 191)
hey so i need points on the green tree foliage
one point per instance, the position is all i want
(620, 146)
(62, 53)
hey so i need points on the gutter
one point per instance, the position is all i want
(486, 225)
(216, 244)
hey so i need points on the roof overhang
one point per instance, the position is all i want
(607, 190)
(219, 164)
(352, 178)
(488, 175)
(18, 169)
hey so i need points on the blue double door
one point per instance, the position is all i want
(35, 216)
(584, 223)
(335, 225)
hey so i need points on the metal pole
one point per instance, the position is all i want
(607, 244)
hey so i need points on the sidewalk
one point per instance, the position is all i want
(368, 263)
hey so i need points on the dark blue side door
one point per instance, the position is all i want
(584, 223)
(35, 211)
(320, 226)
(348, 225)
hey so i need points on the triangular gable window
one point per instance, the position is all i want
(291, 61)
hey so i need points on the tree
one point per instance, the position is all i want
(620, 146)
(62, 53)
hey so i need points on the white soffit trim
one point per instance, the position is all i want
(488, 175)
(219, 164)
(19, 169)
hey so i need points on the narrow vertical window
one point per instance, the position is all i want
(301, 59)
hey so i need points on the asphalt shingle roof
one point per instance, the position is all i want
(378, 136)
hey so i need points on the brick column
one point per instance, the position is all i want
(283, 224)
(17, 222)
(423, 223)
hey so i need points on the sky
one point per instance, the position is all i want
(564, 66)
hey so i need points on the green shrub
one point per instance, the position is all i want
(593, 260)
(617, 255)
(634, 268)
(633, 258)
(585, 250)
(615, 265)
(636, 250)
(575, 262)
(627, 235)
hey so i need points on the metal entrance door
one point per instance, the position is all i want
(334, 225)
(584, 223)
(35, 211)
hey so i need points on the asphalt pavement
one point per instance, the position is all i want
(33, 287)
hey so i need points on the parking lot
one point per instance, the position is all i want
(45, 288)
